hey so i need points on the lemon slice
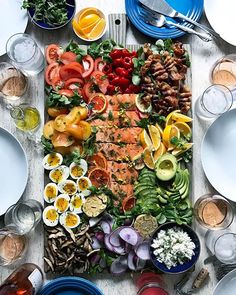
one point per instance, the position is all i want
(97, 29)
(78, 29)
(86, 12)
(176, 152)
(89, 20)
(145, 139)
(144, 108)
(148, 159)
(169, 118)
(155, 136)
(169, 132)
(181, 118)
(159, 128)
(184, 129)
(159, 152)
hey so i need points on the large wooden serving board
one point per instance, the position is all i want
(117, 31)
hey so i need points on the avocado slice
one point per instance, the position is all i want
(166, 167)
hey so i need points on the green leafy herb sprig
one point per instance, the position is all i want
(102, 49)
(53, 12)
(74, 47)
(151, 120)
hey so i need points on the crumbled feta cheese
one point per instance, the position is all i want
(173, 247)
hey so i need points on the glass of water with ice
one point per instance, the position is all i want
(215, 100)
(25, 53)
(222, 244)
(24, 216)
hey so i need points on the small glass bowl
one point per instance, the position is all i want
(221, 218)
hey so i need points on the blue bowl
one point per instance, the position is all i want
(181, 267)
(70, 286)
(42, 25)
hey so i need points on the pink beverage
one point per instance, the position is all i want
(150, 284)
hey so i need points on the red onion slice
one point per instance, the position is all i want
(119, 266)
(115, 239)
(106, 227)
(129, 235)
(96, 244)
(108, 244)
(142, 250)
(130, 259)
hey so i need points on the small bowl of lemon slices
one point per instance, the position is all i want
(89, 24)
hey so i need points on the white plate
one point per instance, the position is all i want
(227, 285)
(218, 154)
(221, 15)
(13, 170)
(13, 20)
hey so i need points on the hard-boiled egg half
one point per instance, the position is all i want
(50, 216)
(59, 174)
(84, 184)
(52, 160)
(62, 203)
(76, 203)
(69, 219)
(68, 187)
(78, 170)
(50, 192)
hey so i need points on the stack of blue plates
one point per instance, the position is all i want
(70, 286)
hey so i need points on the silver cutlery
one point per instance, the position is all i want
(159, 21)
(162, 7)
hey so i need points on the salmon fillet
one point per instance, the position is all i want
(121, 101)
(116, 135)
(122, 173)
(122, 190)
(114, 152)
(117, 118)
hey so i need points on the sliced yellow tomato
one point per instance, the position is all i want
(80, 131)
(74, 116)
(54, 112)
(62, 139)
(155, 136)
(48, 129)
(63, 150)
(61, 122)
(83, 112)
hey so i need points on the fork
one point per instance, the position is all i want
(159, 20)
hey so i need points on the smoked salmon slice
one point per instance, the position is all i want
(119, 153)
(117, 118)
(122, 190)
(122, 173)
(121, 102)
(117, 135)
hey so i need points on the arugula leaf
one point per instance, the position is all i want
(152, 120)
(102, 49)
(47, 145)
(74, 47)
(56, 100)
(89, 146)
(75, 157)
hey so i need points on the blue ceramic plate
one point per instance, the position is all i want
(181, 267)
(190, 8)
(70, 286)
(42, 25)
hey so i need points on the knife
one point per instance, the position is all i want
(162, 7)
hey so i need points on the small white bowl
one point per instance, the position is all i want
(101, 14)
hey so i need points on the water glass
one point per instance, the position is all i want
(222, 244)
(25, 53)
(24, 216)
(13, 83)
(215, 100)
(12, 246)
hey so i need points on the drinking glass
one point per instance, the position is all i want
(24, 216)
(224, 71)
(215, 100)
(13, 83)
(213, 212)
(12, 245)
(222, 244)
(25, 53)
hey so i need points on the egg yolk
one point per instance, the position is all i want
(53, 160)
(83, 184)
(76, 171)
(50, 192)
(69, 188)
(57, 175)
(77, 203)
(52, 215)
(62, 204)
(71, 220)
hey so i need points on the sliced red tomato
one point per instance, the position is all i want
(88, 65)
(100, 80)
(66, 92)
(53, 53)
(68, 57)
(98, 160)
(128, 203)
(70, 71)
(98, 102)
(74, 83)
(99, 177)
(52, 73)
(99, 64)
(88, 90)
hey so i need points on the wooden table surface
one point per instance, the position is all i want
(203, 57)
